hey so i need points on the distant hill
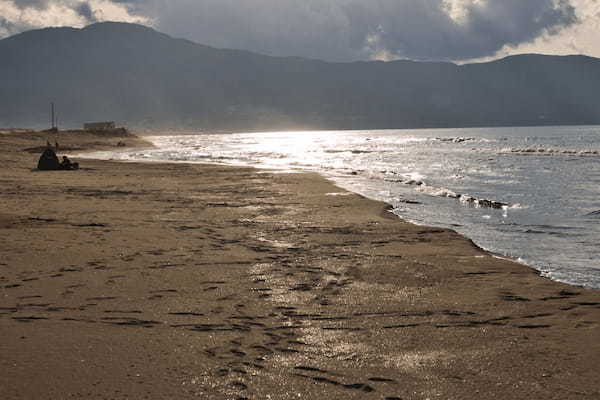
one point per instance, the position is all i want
(135, 75)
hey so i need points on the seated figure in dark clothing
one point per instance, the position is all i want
(68, 165)
(49, 161)
(65, 163)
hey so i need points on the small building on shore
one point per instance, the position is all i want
(99, 126)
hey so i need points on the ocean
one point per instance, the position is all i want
(528, 193)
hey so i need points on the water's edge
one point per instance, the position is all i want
(387, 210)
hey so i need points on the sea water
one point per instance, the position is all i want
(532, 194)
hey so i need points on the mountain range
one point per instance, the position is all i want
(139, 77)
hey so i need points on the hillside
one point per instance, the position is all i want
(143, 78)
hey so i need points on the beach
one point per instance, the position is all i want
(156, 280)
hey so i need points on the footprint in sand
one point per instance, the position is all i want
(383, 380)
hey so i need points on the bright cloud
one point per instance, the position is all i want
(581, 38)
(19, 15)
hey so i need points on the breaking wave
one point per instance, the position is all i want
(550, 152)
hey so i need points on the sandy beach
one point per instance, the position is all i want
(176, 281)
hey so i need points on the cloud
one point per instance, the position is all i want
(580, 38)
(430, 30)
(338, 30)
(85, 10)
(356, 29)
(20, 15)
(37, 4)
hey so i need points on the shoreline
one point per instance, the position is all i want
(132, 280)
(517, 259)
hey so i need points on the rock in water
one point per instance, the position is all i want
(48, 161)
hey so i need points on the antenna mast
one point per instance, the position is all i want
(53, 120)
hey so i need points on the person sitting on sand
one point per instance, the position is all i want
(66, 163)
(49, 161)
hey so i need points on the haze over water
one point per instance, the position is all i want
(548, 177)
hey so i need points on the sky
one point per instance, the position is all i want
(342, 30)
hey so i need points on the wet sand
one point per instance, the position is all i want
(129, 280)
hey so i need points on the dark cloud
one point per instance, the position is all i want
(356, 29)
(136, 7)
(85, 10)
(8, 26)
(343, 30)
(423, 29)
(38, 4)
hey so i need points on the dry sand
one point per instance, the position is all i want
(174, 281)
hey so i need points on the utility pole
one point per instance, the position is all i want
(53, 120)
